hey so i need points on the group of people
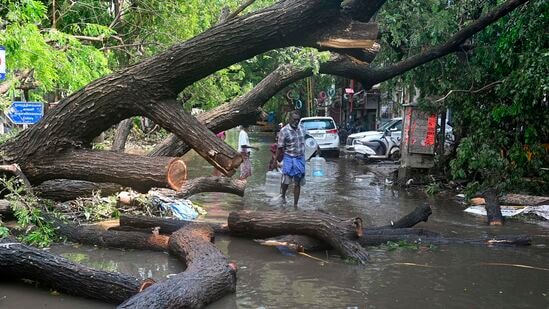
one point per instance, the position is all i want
(288, 155)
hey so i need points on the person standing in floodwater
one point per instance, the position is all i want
(291, 148)
(244, 149)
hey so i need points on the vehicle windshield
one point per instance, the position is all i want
(318, 124)
(387, 125)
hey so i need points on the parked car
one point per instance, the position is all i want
(324, 131)
(394, 126)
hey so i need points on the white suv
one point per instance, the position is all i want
(324, 131)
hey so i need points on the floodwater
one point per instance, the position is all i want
(453, 276)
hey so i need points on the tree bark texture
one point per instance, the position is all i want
(212, 184)
(166, 225)
(138, 172)
(21, 261)
(493, 209)
(340, 234)
(111, 239)
(242, 110)
(208, 277)
(5, 209)
(121, 136)
(66, 190)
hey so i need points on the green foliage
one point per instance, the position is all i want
(97, 208)
(9, 135)
(29, 215)
(503, 125)
(433, 188)
(4, 231)
(60, 62)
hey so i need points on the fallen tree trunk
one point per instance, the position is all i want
(340, 234)
(208, 276)
(370, 237)
(112, 239)
(66, 189)
(138, 172)
(166, 225)
(306, 243)
(301, 243)
(21, 261)
(375, 240)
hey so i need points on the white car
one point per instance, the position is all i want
(394, 126)
(324, 131)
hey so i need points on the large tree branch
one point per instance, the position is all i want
(212, 184)
(169, 114)
(244, 108)
(104, 102)
(371, 76)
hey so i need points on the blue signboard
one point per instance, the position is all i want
(25, 112)
(2, 63)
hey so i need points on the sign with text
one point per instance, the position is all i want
(2, 63)
(419, 134)
(25, 112)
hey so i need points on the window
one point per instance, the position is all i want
(397, 126)
(318, 124)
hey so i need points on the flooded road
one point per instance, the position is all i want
(456, 276)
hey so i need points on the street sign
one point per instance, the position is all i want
(25, 112)
(2, 63)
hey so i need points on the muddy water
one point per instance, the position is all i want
(455, 276)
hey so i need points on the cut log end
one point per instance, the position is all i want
(146, 283)
(369, 45)
(177, 174)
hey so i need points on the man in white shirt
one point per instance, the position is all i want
(244, 148)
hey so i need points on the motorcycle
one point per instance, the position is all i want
(385, 148)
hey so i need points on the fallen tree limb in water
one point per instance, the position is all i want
(25, 262)
(370, 237)
(340, 234)
(165, 225)
(208, 277)
(418, 215)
